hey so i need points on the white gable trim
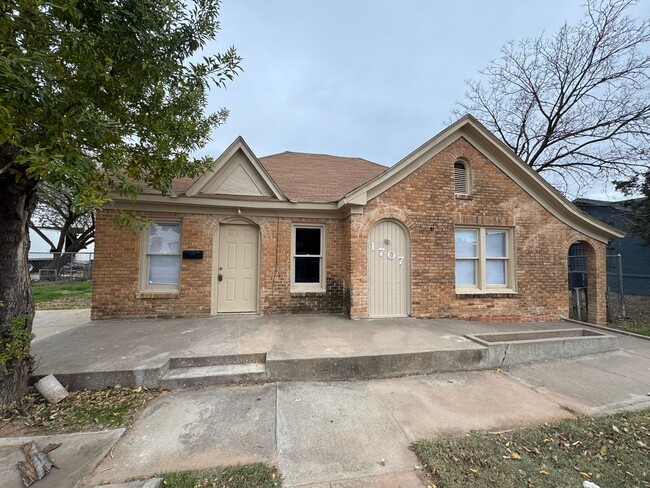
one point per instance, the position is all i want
(502, 157)
(263, 184)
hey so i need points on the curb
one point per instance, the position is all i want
(150, 483)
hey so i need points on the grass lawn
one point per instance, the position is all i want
(610, 451)
(258, 475)
(80, 411)
(62, 295)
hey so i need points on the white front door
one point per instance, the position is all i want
(237, 268)
(389, 257)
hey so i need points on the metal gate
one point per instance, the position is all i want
(578, 282)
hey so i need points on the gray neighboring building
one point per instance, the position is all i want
(634, 251)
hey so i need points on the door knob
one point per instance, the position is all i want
(220, 277)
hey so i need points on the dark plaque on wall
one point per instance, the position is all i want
(193, 254)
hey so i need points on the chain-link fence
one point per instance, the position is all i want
(628, 294)
(615, 288)
(65, 267)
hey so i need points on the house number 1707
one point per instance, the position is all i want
(390, 254)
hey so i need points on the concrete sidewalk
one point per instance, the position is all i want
(75, 458)
(358, 433)
(336, 434)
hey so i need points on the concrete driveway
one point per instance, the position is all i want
(358, 433)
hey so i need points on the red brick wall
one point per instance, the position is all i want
(116, 270)
(425, 202)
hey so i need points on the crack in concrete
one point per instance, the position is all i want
(505, 354)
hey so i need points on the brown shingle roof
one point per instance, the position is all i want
(305, 177)
(302, 177)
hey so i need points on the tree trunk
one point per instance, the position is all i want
(17, 202)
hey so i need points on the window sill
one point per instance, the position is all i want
(486, 294)
(301, 292)
(158, 294)
(463, 196)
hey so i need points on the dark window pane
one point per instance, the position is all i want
(308, 241)
(307, 270)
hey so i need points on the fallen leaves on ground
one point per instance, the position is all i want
(613, 451)
(80, 411)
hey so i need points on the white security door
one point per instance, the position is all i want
(388, 270)
(237, 275)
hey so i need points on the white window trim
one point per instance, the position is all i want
(308, 287)
(468, 178)
(145, 287)
(481, 286)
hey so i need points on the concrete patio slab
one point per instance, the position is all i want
(293, 348)
(337, 431)
(52, 322)
(76, 457)
(452, 404)
(195, 429)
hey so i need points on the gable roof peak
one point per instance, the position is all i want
(237, 171)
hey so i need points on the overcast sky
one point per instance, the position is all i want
(371, 79)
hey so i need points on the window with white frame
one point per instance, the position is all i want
(308, 268)
(161, 256)
(461, 178)
(484, 260)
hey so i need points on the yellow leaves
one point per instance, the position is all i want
(615, 429)
(603, 450)
(544, 472)
(585, 475)
(514, 455)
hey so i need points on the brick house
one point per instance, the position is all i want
(460, 228)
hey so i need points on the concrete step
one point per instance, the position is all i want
(225, 374)
(201, 361)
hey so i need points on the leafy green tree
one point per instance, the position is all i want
(95, 95)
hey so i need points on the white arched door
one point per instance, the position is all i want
(389, 274)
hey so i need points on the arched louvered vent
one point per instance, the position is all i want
(461, 178)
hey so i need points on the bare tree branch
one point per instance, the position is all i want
(576, 101)
(57, 209)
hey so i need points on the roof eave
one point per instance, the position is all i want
(467, 126)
